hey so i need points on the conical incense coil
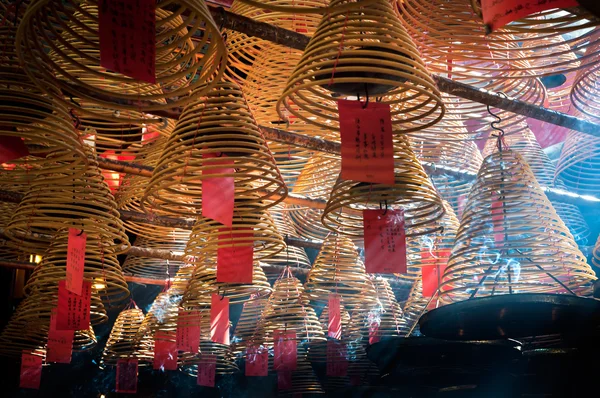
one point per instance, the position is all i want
(338, 269)
(315, 181)
(511, 240)
(453, 40)
(26, 112)
(596, 253)
(414, 308)
(524, 142)
(432, 249)
(28, 327)
(122, 342)
(361, 52)
(584, 93)
(84, 203)
(251, 226)
(388, 315)
(287, 310)
(155, 268)
(463, 155)
(72, 57)
(246, 327)
(101, 269)
(218, 124)
(318, 349)
(292, 256)
(578, 162)
(31, 334)
(304, 380)
(204, 281)
(412, 192)
(243, 50)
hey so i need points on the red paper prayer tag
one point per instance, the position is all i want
(257, 362)
(218, 193)
(385, 241)
(128, 37)
(374, 332)
(285, 350)
(337, 361)
(367, 145)
(334, 328)
(127, 374)
(188, 330)
(60, 342)
(497, 219)
(284, 380)
(165, 351)
(31, 370)
(433, 271)
(219, 319)
(235, 255)
(207, 370)
(497, 13)
(12, 148)
(75, 260)
(73, 311)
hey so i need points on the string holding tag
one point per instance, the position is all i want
(386, 207)
(366, 104)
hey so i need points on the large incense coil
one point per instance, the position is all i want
(414, 308)
(361, 52)
(433, 249)
(524, 142)
(578, 162)
(596, 253)
(463, 155)
(83, 202)
(338, 269)
(411, 192)
(209, 235)
(101, 269)
(304, 380)
(318, 349)
(156, 268)
(243, 50)
(26, 112)
(389, 313)
(454, 40)
(225, 360)
(288, 310)
(204, 281)
(23, 333)
(122, 342)
(72, 58)
(584, 93)
(219, 124)
(519, 246)
(246, 327)
(316, 180)
(291, 256)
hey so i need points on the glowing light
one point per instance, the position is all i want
(35, 258)
(99, 284)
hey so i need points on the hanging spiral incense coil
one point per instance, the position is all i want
(44, 124)
(251, 226)
(244, 50)
(155, 268)
(318, 349)
(511, 240)
(413, 309)
(246, 327)
(221, 125)
(389, 313)
(412, 192)
(101, 269)
(463, 155)
(433, 249)
(524, 142)
(578, 162)
(361, 52)
(304, 380)
(287, 310)
(292, 256)
(596, 253)
(225, 360)
(338, 269)
(72, 57)
(454, 40)
(86, 204)
(122, 342)
(204, 281)
(315, 181)
(24, 332)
